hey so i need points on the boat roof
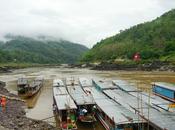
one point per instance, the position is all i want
(85, 82)
(22, 80)
(71, 80)
(39, 78)
(35, 83)
(124, 85)
(165, 85)
(120, 114)
(117, 113)
(104, 84)
(58, 83)
(122, 97)
(64, 102)
(95, 93)
(79, 96)
(153, 99)
(59, 91)
(163, 119)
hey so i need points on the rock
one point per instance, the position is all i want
(20, 124)
(35, 126)
(17, 116)
(15, 128)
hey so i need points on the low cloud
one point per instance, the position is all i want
(82, 21)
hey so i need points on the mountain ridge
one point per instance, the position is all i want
(153, 40)
(30, 50)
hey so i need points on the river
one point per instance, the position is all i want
(41, 104)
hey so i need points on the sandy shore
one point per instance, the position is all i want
(14, 116)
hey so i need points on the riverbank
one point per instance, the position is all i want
(126, 65)
(14, 115)
(135, 66)
(9, 67)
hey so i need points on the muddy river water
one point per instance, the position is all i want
(40, 106)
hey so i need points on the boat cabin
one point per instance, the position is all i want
(164, 90)
(66, 111)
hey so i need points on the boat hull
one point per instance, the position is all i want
(103, 122)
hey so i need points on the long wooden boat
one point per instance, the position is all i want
(84, 102)
(64, 107)
(31, 89)
(158, 118)
(113, 115)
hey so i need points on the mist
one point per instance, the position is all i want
(81, 21)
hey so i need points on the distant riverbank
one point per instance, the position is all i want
(128, 66)
(14, 116)
(131, 66)
(9, 67)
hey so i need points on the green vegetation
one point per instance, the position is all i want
(28, 50)
(154, 40)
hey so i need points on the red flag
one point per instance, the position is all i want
(136, 56)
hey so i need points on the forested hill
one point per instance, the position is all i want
(153, 40)
(29, 50)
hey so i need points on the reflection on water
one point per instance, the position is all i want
(42, 102)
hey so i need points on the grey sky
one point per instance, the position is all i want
(82, 21)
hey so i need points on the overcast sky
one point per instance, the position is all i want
(82, 21)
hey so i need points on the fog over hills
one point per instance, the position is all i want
(41, 49)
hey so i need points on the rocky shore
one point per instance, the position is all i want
(14, 116)
(157, 66)
(5, 69)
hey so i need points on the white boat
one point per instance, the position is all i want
(84, 102)
(64, 108)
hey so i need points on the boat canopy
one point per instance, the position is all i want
(165, 85)
(104, 84)
(71, 81)
(58, 83)
(79, 96)
(59, 91)
(22, 81)
(164, 119)
(117, 113)
(124, 85)
(64, 102)
(39, 78)
(84, 82)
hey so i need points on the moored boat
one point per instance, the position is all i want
(64, 108)
(84, 102)
(31, 89)
(111, 114)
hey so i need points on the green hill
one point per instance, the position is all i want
(153, 40)
(28, 50)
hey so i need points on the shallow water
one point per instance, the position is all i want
(42, 102)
